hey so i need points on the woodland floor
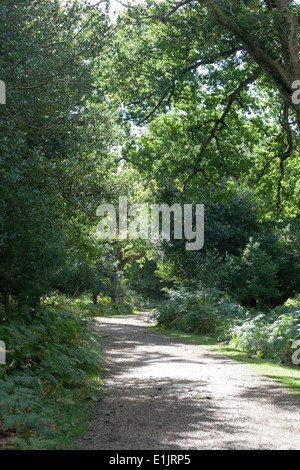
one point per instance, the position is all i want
(162, 393)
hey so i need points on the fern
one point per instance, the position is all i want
(51, 367)
(268, 334)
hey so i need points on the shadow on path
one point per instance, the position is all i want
(161, 392)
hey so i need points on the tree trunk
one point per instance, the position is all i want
(120, 262)
(95, 299)
(7, 304)
(119, 269)
(298, 122)
(119, 294)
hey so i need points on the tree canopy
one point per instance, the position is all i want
(170, 102)
(212, 83)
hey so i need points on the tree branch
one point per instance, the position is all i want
(292, 42)
(171, 89)
(231, 98)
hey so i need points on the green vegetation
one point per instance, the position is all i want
(170, 102)
(52, 372)
(267, 334)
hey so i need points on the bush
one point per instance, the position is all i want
(126, 308)
(268, 334)
(142, 278)
(79, 276)
(51, 366)
(187, 312)
(256, 262)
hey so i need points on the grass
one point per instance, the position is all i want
(287, 375)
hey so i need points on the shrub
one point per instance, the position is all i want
(187, 312)
(254, 261)
(267, 334)
(51, 365)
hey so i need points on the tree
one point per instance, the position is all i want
(56, 135)
(123, 256)
(142, 278)
(264, 31)
(129, 189)
(255, 261)
(219, 65)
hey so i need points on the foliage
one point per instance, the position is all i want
(104, 307)
(53, 365)
(56, 132)
(175, 102)
(197, 79)
(194, 311)
(269, 335)
(142, 278)
(86, 274)
(266, 334)
(254, 260)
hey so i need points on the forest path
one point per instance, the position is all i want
(162, 393)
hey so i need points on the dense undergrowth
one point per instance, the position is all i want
(52, 372)
(267, 334)
(54, 356)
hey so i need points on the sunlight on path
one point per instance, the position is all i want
(162, 393)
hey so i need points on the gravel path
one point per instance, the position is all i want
(161, 393)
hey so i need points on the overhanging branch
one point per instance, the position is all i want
(220, 122)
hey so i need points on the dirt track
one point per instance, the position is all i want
(161, 393)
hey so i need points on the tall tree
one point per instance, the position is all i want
(221, 65)
(56, 132)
